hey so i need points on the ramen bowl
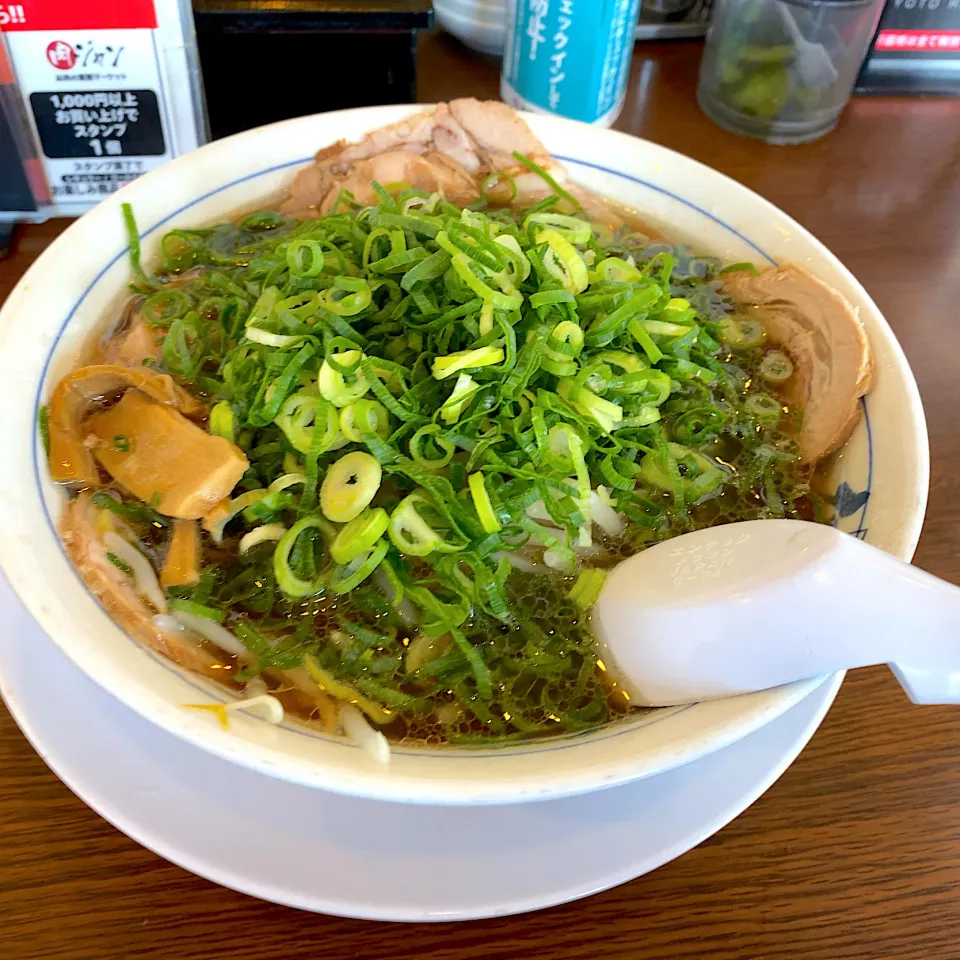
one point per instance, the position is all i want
(76, 288)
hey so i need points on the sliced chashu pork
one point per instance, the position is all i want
(457, 145)
(822, 333)
(135, 342)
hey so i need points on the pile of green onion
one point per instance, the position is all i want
(455, 420)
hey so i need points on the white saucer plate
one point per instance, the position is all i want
(335, 854)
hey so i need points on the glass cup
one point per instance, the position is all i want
(783, 70)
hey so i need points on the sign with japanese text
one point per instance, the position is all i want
(95, 78)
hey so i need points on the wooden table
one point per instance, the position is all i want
(855, 853)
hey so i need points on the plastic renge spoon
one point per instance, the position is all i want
(752, 605)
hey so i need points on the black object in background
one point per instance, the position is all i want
(16, 195)
(916, 50)
(264, 60)
(15, 192)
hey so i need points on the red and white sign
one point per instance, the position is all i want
(105, 86)
(938, 40)
(61, 55)
(78, 15)
(11, 13)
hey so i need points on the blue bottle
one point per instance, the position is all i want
(569, 57)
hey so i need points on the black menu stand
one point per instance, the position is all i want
(264, 61)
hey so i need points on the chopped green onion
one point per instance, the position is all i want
(222, 421)
(359, 535)
(586, 590)
(564, 261)
(741, 267)
(619, 271)
(332, 384)
(459, 400)
(765, 408)
(160, 309)
(653, 352)
(287, 480)
(678, 311)
(346, 300)
(481, 673)
(197, 609)
(129, 510)
(481, 502)
(507, 297)
(349, 486)
(742, 334)
(606, 413)
(235, 507)
(133, 244)
(572, 229)
(565, 341)
(291, 584)
(516, 255)
(121, 565)
(362, 418)
(411, 534)
(43, 424)
(699, 477)
(646, 386)
(431, 433)
(266, 533)
(698, 424)
(305, 258)
(502, 382)
(357, 570)
(304, 417)
(444, 367)
(776, 367)
(548, 179)
(628, 362)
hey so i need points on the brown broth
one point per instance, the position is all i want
(447, 714)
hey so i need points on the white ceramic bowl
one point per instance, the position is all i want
(489, 9)
(77, 286)
(480, 29)
(474, 9)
